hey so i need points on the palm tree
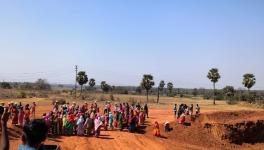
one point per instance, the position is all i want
(229, 92)
(147, 83)
(170, 87)
(249, 81)
(160, 88)
(82, 79)
(214, 76)
(92, 83)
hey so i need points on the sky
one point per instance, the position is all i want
(118, 41)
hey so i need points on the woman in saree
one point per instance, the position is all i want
(120, 121)
(97, 126)
(70, 124)
(15, 115)
(89, 125)
(21, 116)
(132, 122)
(80, 126)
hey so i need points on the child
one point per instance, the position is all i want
(175, 110)
(110, 118)
(156, 131)
(146, 110)
(33, 109)
(197, 109)
(191, 110)
(167, 126)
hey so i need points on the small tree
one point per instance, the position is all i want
(170, 88)
(147, 83)
(81, 79)
(214, 76)
(160, 88)
(195, 92)
(105, 87)
(229, 92)
(92, 83)
(249, 81)
(42, 84)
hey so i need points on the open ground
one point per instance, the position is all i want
(193, 137)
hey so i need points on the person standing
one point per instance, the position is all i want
(146, 110)
(175, 110)
(33, 109)
(21, 116)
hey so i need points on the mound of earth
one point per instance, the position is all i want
(236, 127)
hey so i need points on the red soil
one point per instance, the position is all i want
(194, 137)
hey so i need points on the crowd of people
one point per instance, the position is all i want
(185, 110)
(73, 119)
(19, 114)
(83, 120)
(69, 119)
(180, 114)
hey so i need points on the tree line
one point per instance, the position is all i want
(147, 84)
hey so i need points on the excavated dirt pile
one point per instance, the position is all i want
(236, 127)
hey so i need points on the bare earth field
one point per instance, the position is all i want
(214, 129)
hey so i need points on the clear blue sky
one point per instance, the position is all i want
(119, 41)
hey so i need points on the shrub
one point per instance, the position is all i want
(22, 95)
(118, 99)
(64, 91)
(83, 97)
(5, 85)
(170, 94)
(181, 95)
(102, 98)
(43, 95)
(112, 97)
(42, 84)
(231, 102)
(260, 103)
(61, 101)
